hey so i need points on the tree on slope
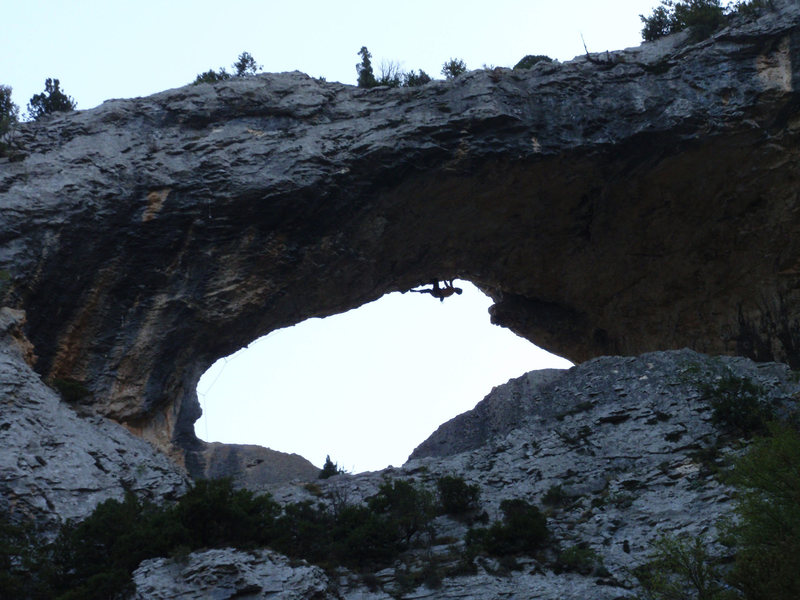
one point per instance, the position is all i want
(9, 115)
(366, 77)
(52, 100)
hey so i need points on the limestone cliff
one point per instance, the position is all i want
(618, 203)
(56, 464)
(630, 444)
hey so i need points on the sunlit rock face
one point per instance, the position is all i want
(619, 203)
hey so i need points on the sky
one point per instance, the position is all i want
(367, 386)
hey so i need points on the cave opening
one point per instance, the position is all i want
(365, 386)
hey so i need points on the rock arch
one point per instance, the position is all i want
(645, 199)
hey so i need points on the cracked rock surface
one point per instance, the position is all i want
(56, 465)
(624, 202)
(628, 442)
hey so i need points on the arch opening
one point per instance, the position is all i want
(365, 386)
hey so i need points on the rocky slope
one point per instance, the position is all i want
(623, 448)
(250, 465)
(618, 203)
(56, 464)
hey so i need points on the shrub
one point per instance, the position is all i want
(412, 79)
(21, 560)
(391, 75)
(737, 405)
(214, 514)
(453, 68)
(531, 59)
(52, 100)
(244, 65)
(751, 8)
(523, 530)
(702, 17)
(456, 497)
(9, 116)
(330, 468)
(580, 558)
(212, 76)
(555, 496)
(410, 509)
(95, 558)
(71, 390)
(5, 276)
(680, 570)
(361, 538)
(767, 534)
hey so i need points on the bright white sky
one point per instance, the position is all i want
(365, 387)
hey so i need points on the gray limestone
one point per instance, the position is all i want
(623, 439)
(57, 465)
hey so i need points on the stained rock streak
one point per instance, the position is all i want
(625, 202)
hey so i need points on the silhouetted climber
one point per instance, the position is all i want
(440, 292)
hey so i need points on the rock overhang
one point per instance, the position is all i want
(619, 203)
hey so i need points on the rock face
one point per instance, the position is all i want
(251, 465)
(225, 573)
(618, 203)
(627, 442)
(57, 465)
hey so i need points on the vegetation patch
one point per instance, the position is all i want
(738, 405)
(700, 17)
(764, 538)
(529, 60)
(457, 498)
(523, 531)
(582, 559)
(71, 390)
(330, 468)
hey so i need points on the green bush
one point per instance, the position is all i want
(765, 537)
(5, 276)
(52, 100)
(767, 534)
(738, 405)
(213, 514)
(555, 496)
(71, 390)
(701, 17)
(453, 68)
(580, 558)
(528, 61)
(681, 570)
(523, 530)
(9, 116)
(212, 76)
(244, 65)
(22, 561)
(330, 468)
(413, 79)
(456, 497)
(360, 539)
(391, 74)
(752, 8)
(409, 509)
(94, 559)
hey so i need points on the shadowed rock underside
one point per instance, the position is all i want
(618, 203)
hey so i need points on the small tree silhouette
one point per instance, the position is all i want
(330, 468)
(50, 101)
(366, 77)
